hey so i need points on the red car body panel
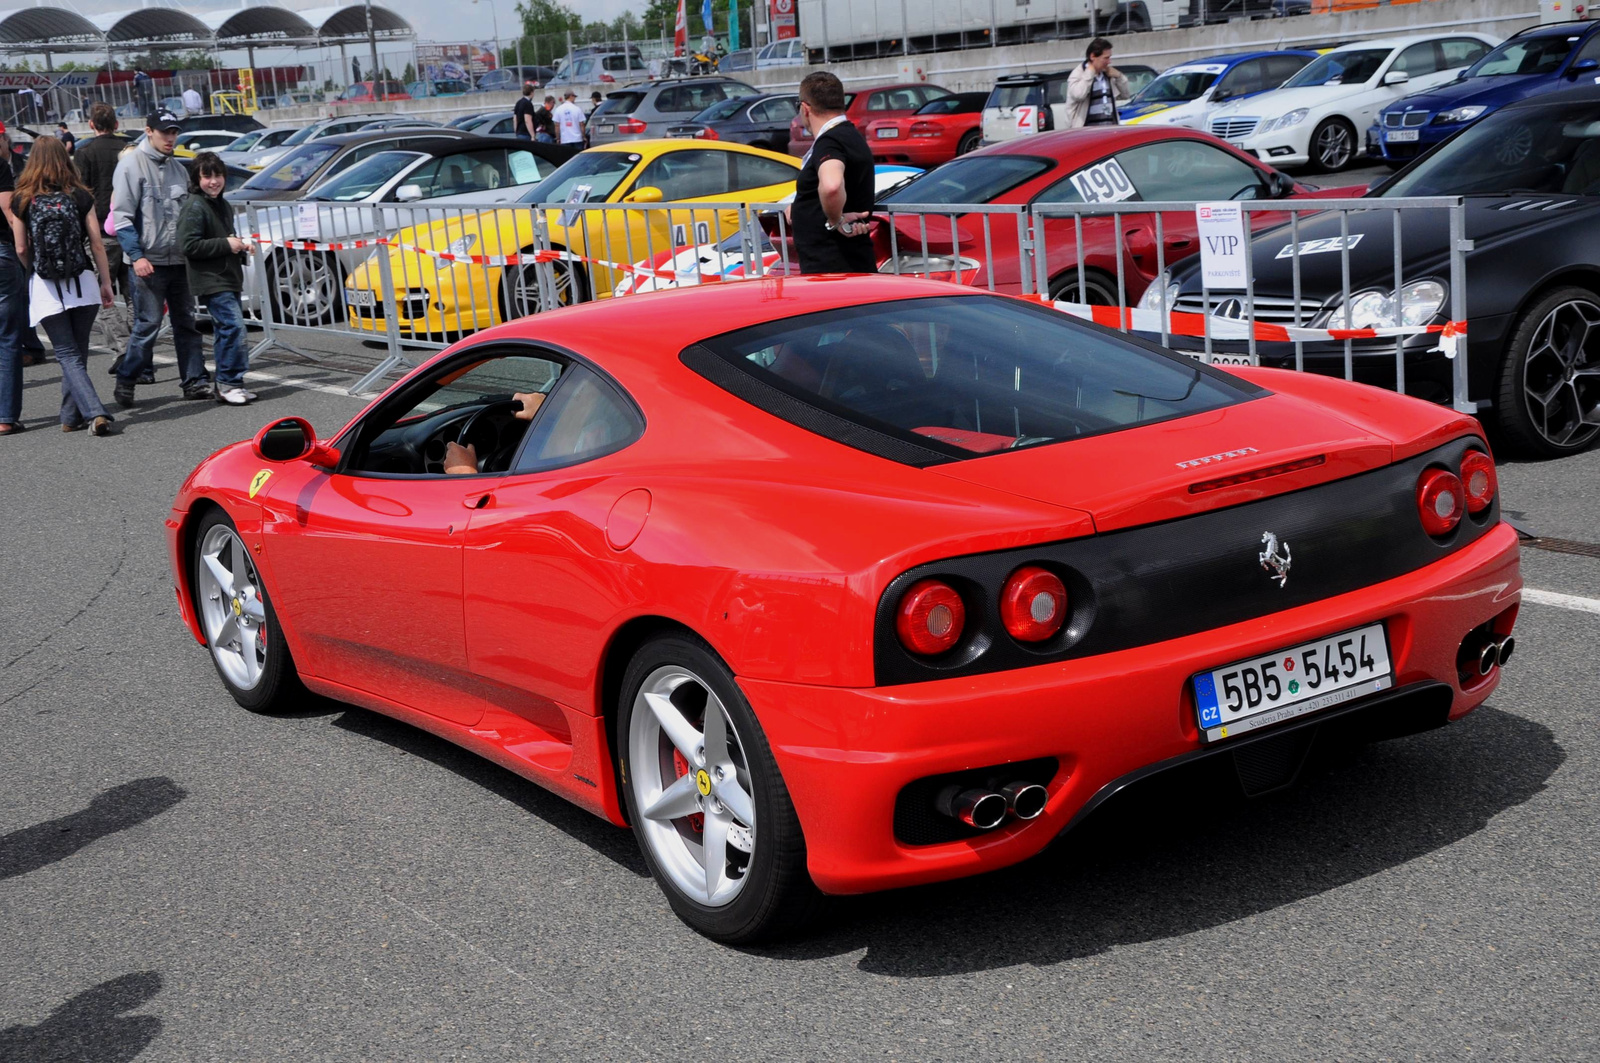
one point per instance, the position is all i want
(925, 140)
(497, 611)
(1068, 151)
(856, 110)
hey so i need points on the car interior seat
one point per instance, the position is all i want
(870, 368)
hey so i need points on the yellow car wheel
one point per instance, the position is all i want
(520, 294)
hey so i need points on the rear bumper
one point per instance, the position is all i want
(928, 153)
(846, 754)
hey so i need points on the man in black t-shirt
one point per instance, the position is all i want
(522, 113)
(834, 187)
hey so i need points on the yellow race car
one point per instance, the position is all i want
(440, 298)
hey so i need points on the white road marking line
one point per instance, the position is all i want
(279, 378)
(1561, 601)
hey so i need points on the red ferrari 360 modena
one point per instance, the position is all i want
(826, 585)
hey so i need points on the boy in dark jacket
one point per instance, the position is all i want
(215, 258)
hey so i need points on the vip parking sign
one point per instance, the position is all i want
(1222, 245)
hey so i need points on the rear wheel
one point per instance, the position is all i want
(1548, 401)
(521, 295)
(969, 142)
(1097, 289)
(1333, 145)
(705, 798)
(238, 621)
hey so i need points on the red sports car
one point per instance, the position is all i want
(827, 586)
(1107, 164)
(885, 101)
(935, 133)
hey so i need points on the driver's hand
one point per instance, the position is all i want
(460, 460)
(530, 404)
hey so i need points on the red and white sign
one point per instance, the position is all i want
(784, 25)
(680, 30)
(1027, 120)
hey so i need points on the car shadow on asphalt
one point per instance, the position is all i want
(113, 810)
(91, 1026)
(612, 842)
(1185, 853)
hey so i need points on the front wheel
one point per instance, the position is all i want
(522, 296)
(307, 288)
(1548, 402)
(705, 798)
(1333, 145)
(238, 621)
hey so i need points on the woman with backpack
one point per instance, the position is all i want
(215, 257)
(53, 219)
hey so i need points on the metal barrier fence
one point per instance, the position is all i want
(408, 277)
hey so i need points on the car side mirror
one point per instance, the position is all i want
(1583, 66)
(1281, 185)
(292, 439)
(1396, 77)
(408, 193)
(643, 194)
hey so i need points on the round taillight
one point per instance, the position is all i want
(930, 617)
(1440, 501)
(1478, 480)
(1033, 604)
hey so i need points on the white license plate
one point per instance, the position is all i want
(608, 129)
(1400, 136)
(1261, 691)
(359, 297)
(888, 134)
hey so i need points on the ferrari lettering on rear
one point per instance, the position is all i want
(1194, 463)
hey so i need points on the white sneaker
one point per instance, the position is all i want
(250, 396)
(234, 396)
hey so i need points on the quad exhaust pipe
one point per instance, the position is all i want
(986, 809)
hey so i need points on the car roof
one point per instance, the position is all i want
(1401, 42)
(1582, 94)
(1040, 76)
(1067, 144)
(1557, 29)
(1238, 57)
(364, 136)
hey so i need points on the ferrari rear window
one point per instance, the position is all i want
(954, 377)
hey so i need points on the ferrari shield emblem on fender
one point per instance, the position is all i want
(1276, 564)
(259, 480)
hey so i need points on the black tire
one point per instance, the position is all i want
(1101, 289)
(1333, 145)
(523, 278)
(1557, 335)
(307, 288)
(777, 896)
(969, 142)
(277, 688)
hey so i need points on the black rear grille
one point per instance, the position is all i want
(1163, 581)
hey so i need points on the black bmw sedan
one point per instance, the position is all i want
(760, 121)
(1530, 178)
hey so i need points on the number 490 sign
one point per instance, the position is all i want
(1103, 183)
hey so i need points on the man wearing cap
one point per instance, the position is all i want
(569, 119)
(146, 197)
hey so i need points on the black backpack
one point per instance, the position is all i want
(55, 231)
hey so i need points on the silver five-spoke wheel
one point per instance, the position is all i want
(691, 784)
(232, 613)
(1561, 375)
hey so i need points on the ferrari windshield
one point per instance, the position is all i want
(974, 179)
(968, 375)
(592, 176)
(1177, 86)
(1354, 67)
(1550, 149)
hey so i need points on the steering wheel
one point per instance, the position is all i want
(464, 436)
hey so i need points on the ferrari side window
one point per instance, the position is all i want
(586, 418)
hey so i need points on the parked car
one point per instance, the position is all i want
(599, 68)
(1185, 94)
(190, 144)
(489, 124)
(384, 188)
(258, 140)
(1097, 164)
(737, 61)
(512, 78)
(462, 121)
(328, 127)
(301, 167)
(423, 89)
(1020, 105)
(935, 133)
(1538, 60)
(1315, 118)
(761, 121)
(829, 603)
(438, 298)
(882, 101)
(644, 111)
(400, 122)
(174, 106)
(368, 92)
(791, 52)
(239, 123)
(1530, 173)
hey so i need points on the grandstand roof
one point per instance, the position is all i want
(55, 29)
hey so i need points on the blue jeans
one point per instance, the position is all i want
(167, 287)
(227, 338)
(11, 305)
(69, 334)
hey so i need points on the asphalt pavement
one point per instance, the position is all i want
(183, 880)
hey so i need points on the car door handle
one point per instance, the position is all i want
(478, 500)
